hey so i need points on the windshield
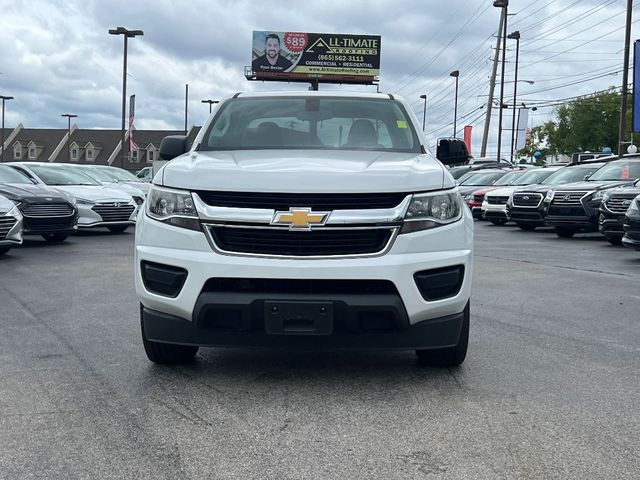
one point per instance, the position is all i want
(118, 174)
(379, 124)
(482, 179)
(509, 178)
(569, 175)
(96, 174)
(9, 175)
(533, 177)
(61, 176)
(617, 170)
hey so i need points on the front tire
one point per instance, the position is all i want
(564, 232)
(4, 250)
(527, 227)
(118, 228)
(55, 237)
(452, 356)
(615, 240)
(166, 353)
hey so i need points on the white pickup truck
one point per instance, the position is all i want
(305, 220)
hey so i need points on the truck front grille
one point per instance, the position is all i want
(313, 243)
(315, 201)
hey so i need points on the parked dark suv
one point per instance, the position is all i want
(527, 207)
(46, 211)
(631, 237)
(613, 208)
(575, 207)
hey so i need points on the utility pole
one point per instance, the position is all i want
(4, 98)
(514, 36)
(424, 111)
(504, 4)
(492, 86)
(625, 81)
(186, 106)
(455, 74)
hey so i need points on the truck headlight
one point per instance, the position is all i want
(172, 206)
(431, 210)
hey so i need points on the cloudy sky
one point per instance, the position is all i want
(57, 57)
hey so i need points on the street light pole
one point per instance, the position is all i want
(625, 81)
(4, 98)
(456, 74)
(504, 4)
(69, 117)
(126, 34)
(424, 111)
(514, 36)
(210, 102)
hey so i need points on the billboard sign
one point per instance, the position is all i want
(283, 55)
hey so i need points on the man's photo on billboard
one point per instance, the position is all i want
(272, 60)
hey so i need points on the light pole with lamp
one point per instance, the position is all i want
(456, 74)
(424, 111)
(127, 34)
(504, 4)
(514, 36)
(69, 117)
(210, 102)
(4, 98)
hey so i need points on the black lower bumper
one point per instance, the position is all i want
(611, 225)
(529, 216)
(631, 237)
(436, 333)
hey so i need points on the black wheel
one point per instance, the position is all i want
(55, 237)
(526, 226)
(118, 228)
(166, 353)
(497, 221)
(564, 232)
(448, 357)
(4, 250)
(616, 240)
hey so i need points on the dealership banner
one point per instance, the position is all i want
(283, 54)
(636, 86)
(468, 129)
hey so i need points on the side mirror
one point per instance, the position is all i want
(173, 146)
(452, 151)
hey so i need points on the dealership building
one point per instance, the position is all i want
(85, 146)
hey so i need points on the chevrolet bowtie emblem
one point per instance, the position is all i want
(300, 218)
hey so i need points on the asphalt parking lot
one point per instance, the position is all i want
(550, 388)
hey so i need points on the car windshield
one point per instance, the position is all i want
(9, 175)
(482, 179)
(569, 175)
(617, 170)
(533, 177)
(61, 176)
(118, 174)
(96, 174)
(509, 178)
(311, 122)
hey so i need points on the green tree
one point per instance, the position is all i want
(585, 124)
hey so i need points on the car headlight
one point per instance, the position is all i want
(14, 212)
(431, 210)
(172, 206)
(599, 196)
(468, 197)
(549, 196)
(634, 207)
(17, 203)
(83, 201)
(138, 200)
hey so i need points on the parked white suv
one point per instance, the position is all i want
(312, 220)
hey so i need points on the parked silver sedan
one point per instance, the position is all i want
(10, 225)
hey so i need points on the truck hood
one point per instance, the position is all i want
(306, 171)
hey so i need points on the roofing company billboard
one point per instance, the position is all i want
(284, 55)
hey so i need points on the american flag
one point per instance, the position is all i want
(132, 110)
